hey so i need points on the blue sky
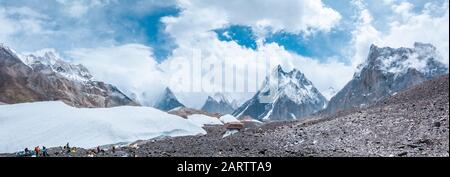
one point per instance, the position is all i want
(321, 45)
(115, 23)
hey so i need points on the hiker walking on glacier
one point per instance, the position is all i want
(44, 151)
(37, 150)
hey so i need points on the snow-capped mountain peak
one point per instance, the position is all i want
(385, 72)
(422, 57)
(283, 96)
(293, 85)
(218, 103)
(45, 56)
(167, 101)
(219, 97)
(49, 59)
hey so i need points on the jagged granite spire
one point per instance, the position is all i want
(283, 96)
(218, 104)
(167, 101)
(387, 71)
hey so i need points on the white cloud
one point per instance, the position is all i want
(405, 28)
(250, 68)
(130, 67)
(363, 36)
(26, 21)
(421, 27)
(403, 9)
(8, 26)
(287, 15)
(133, 69)
(79, 8)
(192, 31)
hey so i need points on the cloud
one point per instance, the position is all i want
(8, 26)
(287, 15)
(130, 67)
(29, 25)
(21, 20)
(364, 35)
(420, 27)
(76, 9)
(431, 25)
(243, 70)
(193, 29)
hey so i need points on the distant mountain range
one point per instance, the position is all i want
(219, 103)
(283, 95)
(48, 78)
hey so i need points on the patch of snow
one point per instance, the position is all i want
(293, 116)
(229, 132)
(202, 120)
(242, 112)
(54, 124)
(176, 109)
(254, 120)
(267, 115)
(228, 119)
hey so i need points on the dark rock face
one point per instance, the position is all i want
(20, 82)
(386, 72)
(167, 101)
(218, 104)
(287, 96)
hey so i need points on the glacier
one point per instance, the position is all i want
(54, 124)
(202, 120)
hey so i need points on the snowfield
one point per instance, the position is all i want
(53, 124)
(228, 119)
(202, 120)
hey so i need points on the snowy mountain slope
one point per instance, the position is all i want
(48, 78)
(219, 103)
(167, 101)
(283, 96)
(53, 124)
(387, 71)
(49, 59)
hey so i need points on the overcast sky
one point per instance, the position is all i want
(134, 43)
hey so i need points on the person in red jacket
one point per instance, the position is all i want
(37, 150)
